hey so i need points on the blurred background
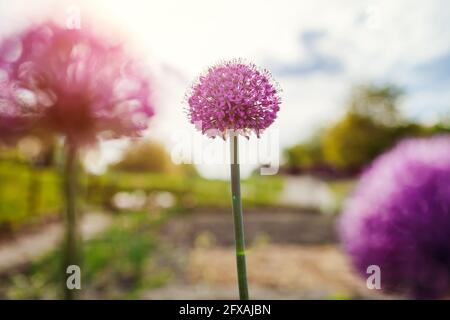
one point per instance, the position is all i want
(357, 77)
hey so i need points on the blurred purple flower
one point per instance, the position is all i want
(399, 219)
(72, 83)
(13, 119)
(233, 96)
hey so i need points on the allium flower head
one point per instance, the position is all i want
(13, 119)
(399, 219)
(71, 82)
(233, 96)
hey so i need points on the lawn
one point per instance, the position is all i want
(27, 195)
(190, 191)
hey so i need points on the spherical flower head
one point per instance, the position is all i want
(73, 83)
(399, 219)
(14, 120)
(233, 96)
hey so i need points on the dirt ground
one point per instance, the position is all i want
(291, 255)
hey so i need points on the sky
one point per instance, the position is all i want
(315, 50)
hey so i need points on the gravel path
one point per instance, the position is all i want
(308, 192)
(290, 255)
(29, 247)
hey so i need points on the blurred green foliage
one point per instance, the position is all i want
(190, 191)
(355, 141)
(377, 102)
(307, 155)
(21, 184)
(17, 180)
(150, 156)
(371, 125)
(118, 264)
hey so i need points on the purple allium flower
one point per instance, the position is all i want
(399, 219)
(233, 96)
(72, 83)
(13, 119)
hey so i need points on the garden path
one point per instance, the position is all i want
(31, 246)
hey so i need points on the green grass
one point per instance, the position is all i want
(22, 202)
(190, 191)
(118, 264)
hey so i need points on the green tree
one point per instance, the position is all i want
(151, 156)
(372, 124)
(305, 155)
(355, 141)
(376, 102)
(145, 156)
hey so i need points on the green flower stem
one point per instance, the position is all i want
(71, 250)
(238, 217)
(34, 188)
